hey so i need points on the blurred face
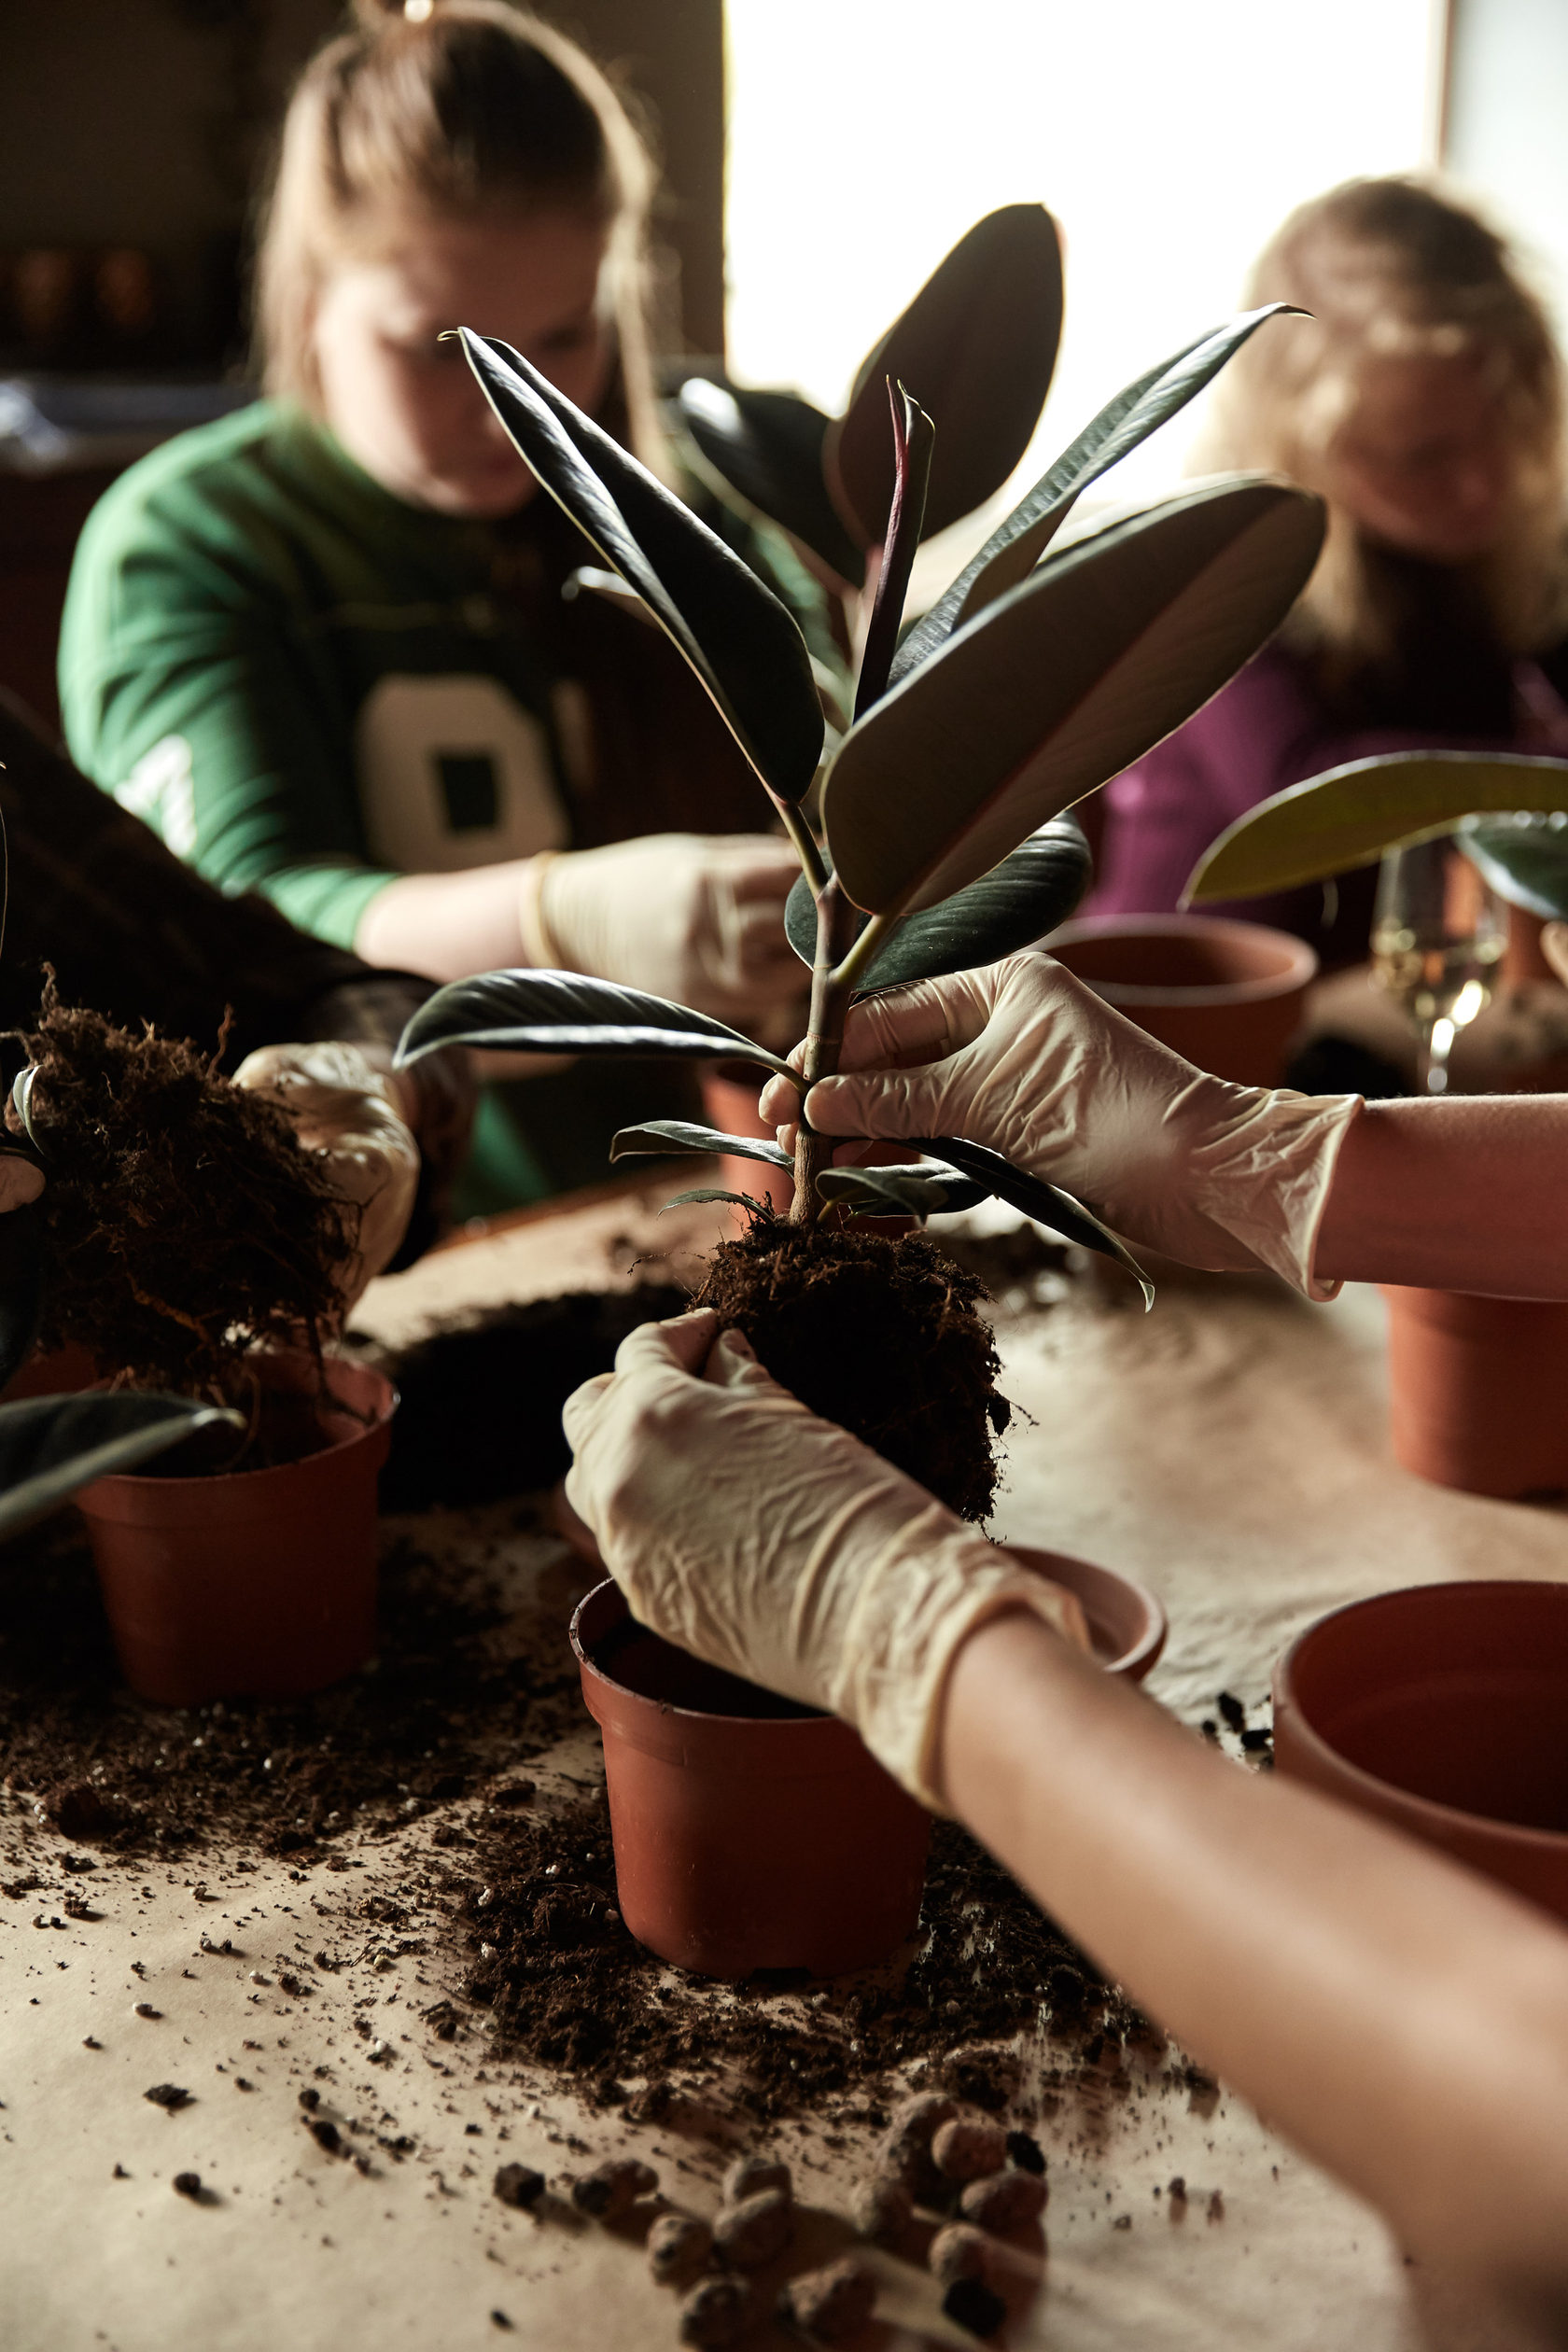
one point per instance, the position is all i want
(403, 404)
(1424, 462)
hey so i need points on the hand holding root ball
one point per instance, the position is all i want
(774, 1545)
(352, 1112)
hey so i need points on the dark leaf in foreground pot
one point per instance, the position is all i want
(1016, 545)
(1018, 902)
(1045, 1204)
(52, 1446)
(1350, 816)
(977, 349)
(1524, 858)
(742, 642)
(684, 1135)
(1059, 686)
(768, 448)
(21, 1287)
(532, 1012)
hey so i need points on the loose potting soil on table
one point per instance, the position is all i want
(466, 1688)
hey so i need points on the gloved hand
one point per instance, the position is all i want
(1023, 1056)
(21, 1180)
(773, 1544)
(693, 917)
(340, 1104)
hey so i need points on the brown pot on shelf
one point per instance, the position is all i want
(257, 1583)
(1441, 1709)
(1479, 1390)
(1229, 996)
(752, 1833)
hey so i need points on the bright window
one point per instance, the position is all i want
(1168, 137)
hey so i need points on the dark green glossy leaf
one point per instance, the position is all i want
(1524, 858)
(977, 347)
(52, 1446)
(1018, 902)
(21, 1286)
(1045, 1204)
(684, 1135)
(913, 440)
(741, 641)
(1059, 686)
(768, 448)
(925, 1189)
(1016, 545)
(1351, 816)
(565, 1013)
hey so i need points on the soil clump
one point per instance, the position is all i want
(181, 1222)
(883, 1336)
(480, 1412)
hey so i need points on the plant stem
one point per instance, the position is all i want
(824, 1037)
(813, 865)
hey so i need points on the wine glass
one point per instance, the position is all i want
(1438, 933)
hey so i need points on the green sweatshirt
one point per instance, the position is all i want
(309, 687)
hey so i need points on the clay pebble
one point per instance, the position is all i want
(188, 2184)
(958, 2251)
(613, 2188)
(882, 2210)
(749, 2176)
(677, 2247)
(968, 2149)
(168, 2095)
(718, 2312)
(1004, 2202)
(519, 2185)
(969, 2302)
(832, 2304)
(905, 2150)
(750, 2233)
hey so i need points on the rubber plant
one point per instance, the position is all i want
(942, 840)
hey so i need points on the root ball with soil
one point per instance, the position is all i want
(182, 1223)
(881, 1335)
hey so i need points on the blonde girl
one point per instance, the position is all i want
(324, 645)
(1423, 398)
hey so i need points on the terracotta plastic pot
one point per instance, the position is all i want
(1441, 1709)
(1229, 996)
(1478, 1390)
(254, 1582)
(751, 1833)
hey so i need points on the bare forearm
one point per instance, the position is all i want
(1467, 1194)
(1398, 2019)
(445, 925)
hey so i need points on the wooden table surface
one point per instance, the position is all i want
(1229, 1449)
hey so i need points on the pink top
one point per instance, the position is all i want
(1267, 729)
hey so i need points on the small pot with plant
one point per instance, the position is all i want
(1479, 1387)
(186, 1240)
(939, 845)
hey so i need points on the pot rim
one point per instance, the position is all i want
(1300, 964)
(765, 1724)
(209, 1481)
(1548, 1843)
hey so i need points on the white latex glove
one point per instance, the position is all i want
(344, 1106)
(693, 917)
(756, 1536)
(21, 1180)
(1023, 1056)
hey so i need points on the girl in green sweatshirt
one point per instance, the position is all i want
(330, 646)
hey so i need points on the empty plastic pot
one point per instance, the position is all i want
(1229, 996)
(1441, 1709)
